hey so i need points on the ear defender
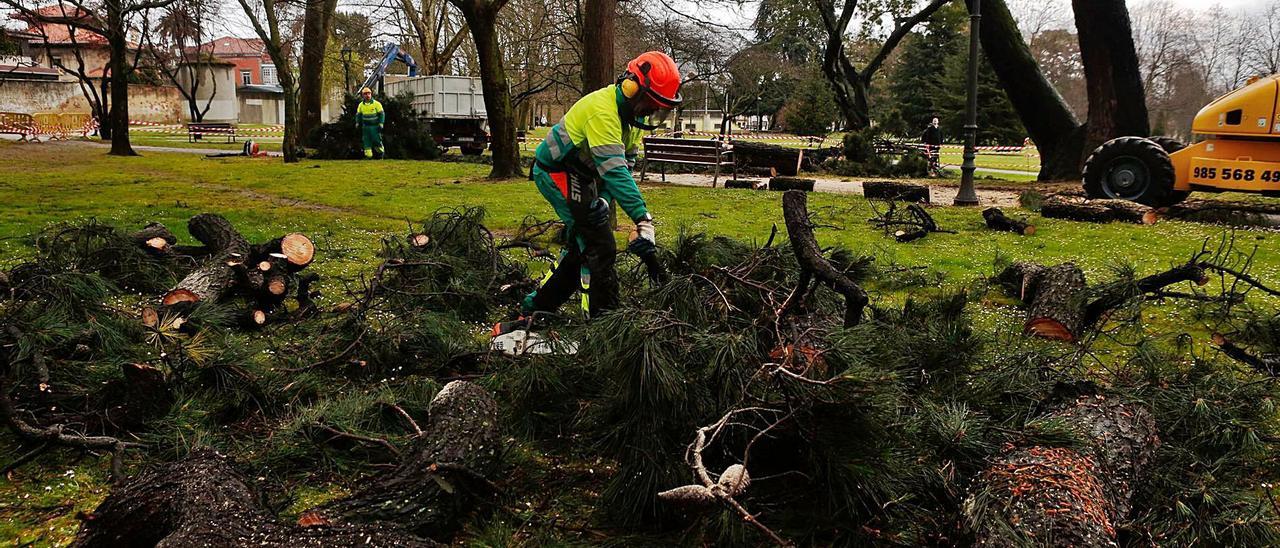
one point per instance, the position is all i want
(630, 88)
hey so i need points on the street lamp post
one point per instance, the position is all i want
(346, 69)
(967, 196)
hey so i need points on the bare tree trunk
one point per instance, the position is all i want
(1117, 102)
(119, 80)
(481, 17)
(291, 122)
(317, 25)
(598, 23)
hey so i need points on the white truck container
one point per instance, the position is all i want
(452, 105)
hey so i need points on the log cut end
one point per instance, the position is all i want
(178, 296)
(298, 249)
(419, 240)
(277, 286)
(1150, 217)
(157, 243)
(1049, 328)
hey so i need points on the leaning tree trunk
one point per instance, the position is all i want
(1046, 116)
(203, 501)
(598, 24)
(1117, 103)
(1055, 496)
(217, 274)
(795, 212)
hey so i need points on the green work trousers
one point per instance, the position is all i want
(371, 139)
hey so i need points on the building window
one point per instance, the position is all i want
(55, 61)
(269, 75)
(246, 78)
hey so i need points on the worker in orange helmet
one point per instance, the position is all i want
(584, 163)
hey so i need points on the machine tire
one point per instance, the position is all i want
(1171, 145)
(1131, 168)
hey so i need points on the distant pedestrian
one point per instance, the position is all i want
(932, 139)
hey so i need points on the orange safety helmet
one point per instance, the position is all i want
(658, 76)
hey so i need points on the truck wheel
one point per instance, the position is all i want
(473, 150)
(1130, 168)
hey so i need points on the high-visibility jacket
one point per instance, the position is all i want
(369, 113)
(593, 134)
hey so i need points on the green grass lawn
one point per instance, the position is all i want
(347, 206)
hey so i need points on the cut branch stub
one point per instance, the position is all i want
(155, 238)
(795, 211)
(297, 249)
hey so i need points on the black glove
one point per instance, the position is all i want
(598, 213)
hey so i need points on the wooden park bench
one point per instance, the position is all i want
(17, 123)
(706, 152)
(197, 129)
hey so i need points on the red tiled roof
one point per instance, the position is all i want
(60, 34)
(231, 46)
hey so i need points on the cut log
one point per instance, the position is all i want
(1096, 211)
(1075, 210)
(904, 236)
(791, 183)
(1057, 311)
(1019, 280)
(893, 190)
(997, 220)
(745, 183)
(1055, 496)
(203, 500)
(297, 249)
(1265, 215)
(795, 211)
(419, 240)
(155, 238)
(212, 278)
(765, 172)
(784, 160)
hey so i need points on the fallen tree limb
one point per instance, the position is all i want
(896, 191)
(1096, 211)
(795, 211)
(791, 183)
(1262, 364)
(203, 500)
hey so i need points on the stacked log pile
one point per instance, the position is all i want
(264, 275)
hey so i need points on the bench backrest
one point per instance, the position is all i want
(709, 151)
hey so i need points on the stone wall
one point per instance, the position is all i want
(147, 103)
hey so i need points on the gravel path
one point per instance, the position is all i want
(939, 194)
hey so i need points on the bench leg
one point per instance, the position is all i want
(644, 168)
(664, 173)
(716, 178)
